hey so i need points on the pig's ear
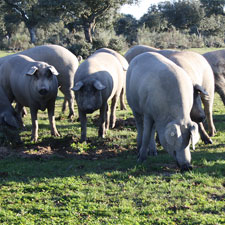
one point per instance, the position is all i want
(204, 94)
(98, 85)
(53, 70)
(32, 71)
(77, 86)
(10, 120)
(194, 134)
(173, 134)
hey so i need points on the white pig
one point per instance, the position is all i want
(160, 94)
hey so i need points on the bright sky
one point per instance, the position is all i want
(139, 10)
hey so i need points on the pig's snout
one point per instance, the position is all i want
(43, 91)
(89, 110)
(200, 119)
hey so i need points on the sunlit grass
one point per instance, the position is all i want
(60, 181)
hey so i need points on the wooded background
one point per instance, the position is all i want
(83, 26)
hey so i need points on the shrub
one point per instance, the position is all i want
(118, 43)
(213, 41)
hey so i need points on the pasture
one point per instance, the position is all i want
(61, 181)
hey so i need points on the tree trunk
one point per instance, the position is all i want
(87, 32)
(32, 34)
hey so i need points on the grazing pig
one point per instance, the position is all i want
(97, 80)
(33, 84)
(160, 94)
(216, 59)
(201, 75)
(125, 65)
(65, 63)
(8, 115)
(139, 49)
(9, 119)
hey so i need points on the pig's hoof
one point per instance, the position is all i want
(212, 134)
(123, 107)
(56, 134)
(113, 124)
(141, 159)
(153, 153)
(186, 168)
(71, 116)
(34, 139)
(208, 141)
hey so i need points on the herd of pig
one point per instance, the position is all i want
(164, 88)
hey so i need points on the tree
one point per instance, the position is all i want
(32, 12)
(2, 25)
(215, 7)
(127, 25)
(23, 10)
(182, 14)
(87, 13)
(154, 19)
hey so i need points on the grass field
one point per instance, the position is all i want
(60, 181)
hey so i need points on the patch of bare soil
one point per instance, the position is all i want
(94, 148)
(69, 146)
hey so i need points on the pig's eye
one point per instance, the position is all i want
(36, 75)
(49, 74)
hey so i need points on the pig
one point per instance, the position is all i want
(33, 84)
(139, 49)
(125, 65)
(98, 80)
(201, 75)
(160, 94)
(216, 59)
(202, 80)
(65, 62)
(10, 122)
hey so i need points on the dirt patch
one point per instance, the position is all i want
(69, 146)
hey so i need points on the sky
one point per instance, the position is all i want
(139, 10)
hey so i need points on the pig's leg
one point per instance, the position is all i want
(103, 120)
(19, 109)
(107, 117)
(113, 111)
(152, 145)
(204, 136)
(208, 108)
(148, 124)
(220, 86)
(122, 102)
(139, 125)
(68, 97)
(51, 117)
(33, 112)
(83, 122)
(64, 105)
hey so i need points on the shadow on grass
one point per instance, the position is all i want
(59, 159)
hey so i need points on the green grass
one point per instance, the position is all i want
(4, 53)
(59, 181)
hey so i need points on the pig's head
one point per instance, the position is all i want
(43, 78)
(197, 112)
(88, 93)
(177, 142)
(10, 118)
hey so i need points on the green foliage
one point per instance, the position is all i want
(176, 39)
(191, 23)
(213, 7)
(79, 46)
(19, 40)
(127, 26)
